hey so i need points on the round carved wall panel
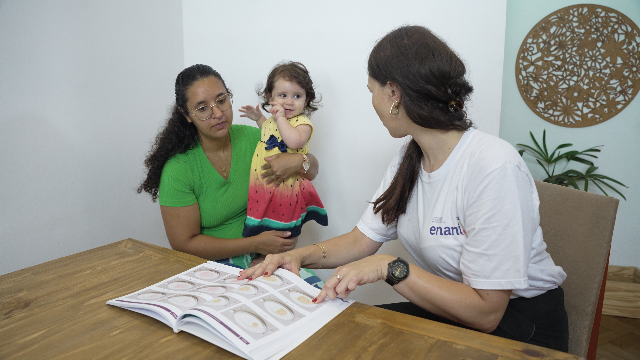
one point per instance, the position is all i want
(580, 66)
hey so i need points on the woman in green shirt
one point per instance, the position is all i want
(199, 170)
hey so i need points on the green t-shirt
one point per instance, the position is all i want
(189, 178)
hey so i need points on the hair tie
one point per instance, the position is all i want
(456, 103)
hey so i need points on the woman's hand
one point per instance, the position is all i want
(287, 260)
(257, 260)
(251, 112)
(280, 167)
(346, 278)
(273, 242)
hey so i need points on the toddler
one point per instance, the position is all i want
(286, 207)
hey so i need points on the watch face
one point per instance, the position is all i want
(399, 270)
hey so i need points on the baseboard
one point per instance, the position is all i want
(622, 292)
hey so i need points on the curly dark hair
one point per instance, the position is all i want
(433, 91)
(178, 135)
(294, 72)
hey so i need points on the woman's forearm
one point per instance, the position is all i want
(213, 248)
(478, 309)
(282, 166)
(339, 250)
(182, 225)
(353, 257)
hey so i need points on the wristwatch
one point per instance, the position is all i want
(397, 271)
(306, 164)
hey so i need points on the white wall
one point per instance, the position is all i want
(83, 87)
(244, 39)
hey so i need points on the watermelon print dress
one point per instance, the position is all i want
(289, 205)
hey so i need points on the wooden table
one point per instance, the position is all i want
(57, 310)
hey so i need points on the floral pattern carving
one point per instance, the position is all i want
(580, 65)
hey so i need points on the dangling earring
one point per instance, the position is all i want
(397, 108)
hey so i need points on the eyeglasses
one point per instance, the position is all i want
(205, 112)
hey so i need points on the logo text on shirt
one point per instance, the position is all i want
(446, 230)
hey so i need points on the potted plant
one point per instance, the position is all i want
(549, 161)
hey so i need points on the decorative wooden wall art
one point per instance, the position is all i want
(580, 66)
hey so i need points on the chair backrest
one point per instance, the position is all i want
(577, 227)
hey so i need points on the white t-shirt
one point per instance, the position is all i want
(474, 220)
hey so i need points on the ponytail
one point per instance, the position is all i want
(393, 202)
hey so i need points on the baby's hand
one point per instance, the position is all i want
(276, 110)
(251, 112)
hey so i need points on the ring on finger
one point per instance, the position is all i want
(338, 276)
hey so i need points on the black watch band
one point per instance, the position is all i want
(397, 271)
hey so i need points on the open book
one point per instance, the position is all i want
(260, 319)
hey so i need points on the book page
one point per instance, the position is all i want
(262, 316)
(168, 300)
(160, 301)
(265, 317)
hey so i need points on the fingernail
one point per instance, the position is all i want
(250, 278)
(266, 274)
(314, 300)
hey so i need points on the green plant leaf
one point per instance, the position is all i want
(587, 175)
(586, 184)
(610, 187)
(601, 189)
(593, 149)
(566, 181)
(603, 177)
(544, 168)
(562, 146)
(570, 177)
(581, 160)
(539, 154)
(544, 141)
(571, 153)
(557, 149)
(565, 156)
(542, 152)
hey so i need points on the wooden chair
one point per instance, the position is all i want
(578, 228)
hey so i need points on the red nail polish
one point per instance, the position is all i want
(314, 300)
(250, 278)
(266, 274)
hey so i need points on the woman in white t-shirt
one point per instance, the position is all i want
(462, 202)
